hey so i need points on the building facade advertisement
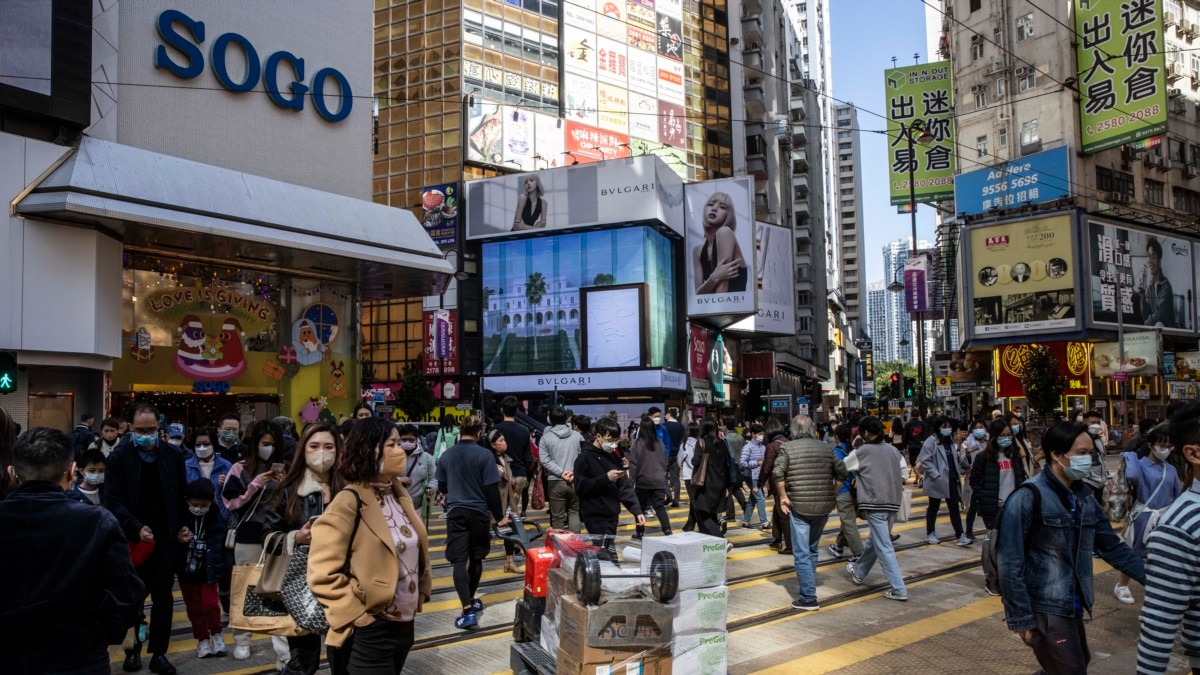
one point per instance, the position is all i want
(1023, 277)
(969, 372)
(440, 218)
(1124, 97)
(612, 61)
(1142, 352)
(582, 105)
(671, 118)
(720, 240)
(1073, 360)
(643, 116)
(1182, 366)
(604, 380)
(775, 273)
(1033, 179)
(698, 353)
(579, 51)
(1148, 276)
(637, 189)
(582, 15)
(758, 365)
(670, 80)
(615, 335)
(920, 93)
(441, 338)
(613, 116)
(916, 284)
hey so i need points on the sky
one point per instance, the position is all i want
(866, 35)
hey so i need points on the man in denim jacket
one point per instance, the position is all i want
(1048, 531)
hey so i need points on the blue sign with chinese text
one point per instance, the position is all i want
(1033, 179)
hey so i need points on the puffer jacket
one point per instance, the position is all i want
(985, 482)
(807, 469)
(753, 453)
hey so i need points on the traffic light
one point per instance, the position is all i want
(910, 387)
(8, 373)
(894, 392)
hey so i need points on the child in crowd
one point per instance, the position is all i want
(203, 538)
(90, 488)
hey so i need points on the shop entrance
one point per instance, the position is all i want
(199, 410)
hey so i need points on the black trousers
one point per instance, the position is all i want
(931, 513)
(707, 523)
(380, 648)
(1060, 644)
(158, 574)
(305, 655)
(673, 481)
(653, 498)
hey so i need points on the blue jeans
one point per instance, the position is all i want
(879, 546)
(807, 529)
(756, 500)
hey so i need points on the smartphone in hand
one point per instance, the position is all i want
(278, 467)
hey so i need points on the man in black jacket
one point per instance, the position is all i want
(82, 436)
(676, 433)
(520, 452)
(70, 590)
(145, 480)
(602, 485)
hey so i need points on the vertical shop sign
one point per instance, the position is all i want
(922, 92)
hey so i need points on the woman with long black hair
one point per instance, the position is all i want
(648, 471)
(709, 479)
(995, 474)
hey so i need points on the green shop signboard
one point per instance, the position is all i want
(921, 93)
(1122, 70)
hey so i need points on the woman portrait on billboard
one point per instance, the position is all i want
(531, 206)
(718, 265)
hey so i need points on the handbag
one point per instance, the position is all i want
(236, 520)
(701, 472)
(298, 598)
(905, 511)
(537, 498)
(270, 582)
(250, 611)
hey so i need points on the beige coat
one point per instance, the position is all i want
(374, 570)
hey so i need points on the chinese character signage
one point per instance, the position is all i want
(1122, 68)
(1022, 277)
(1072, 364)
(440, 204)
(916, 288)
(698, 352)
(1141, 356)
(1149, 276)
(441, 337)
(923, 93)
(1033, 179)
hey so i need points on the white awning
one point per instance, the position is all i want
(156, 202)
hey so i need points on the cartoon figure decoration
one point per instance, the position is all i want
(311, 411)
(326, 415)
(140, 349)
(313, 332)
(337, 380)
(209, 358)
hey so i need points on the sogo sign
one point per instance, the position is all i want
(268, 71)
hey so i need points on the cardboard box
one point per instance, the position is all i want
(575, 626)
(701, 558)
(700, 610)
(701, 654)
(561, 585)
(656, 662)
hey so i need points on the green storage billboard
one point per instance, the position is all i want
(1123, 71)
(920, 93)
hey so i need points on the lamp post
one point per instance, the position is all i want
(918, 127)
(439, 349)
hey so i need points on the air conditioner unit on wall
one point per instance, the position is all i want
(1169, 19)
(1178, 106)
(1118, 198)
(1153, 160)
(1189, 170)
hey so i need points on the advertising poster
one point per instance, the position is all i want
(614, 109)
(670, 80)
(643, 116)
(1033, 179)
(719, 216)
(1186, 366)
(671, 124)
(698, 352)
(642, 188)
(921, 92)
(580, 14)
(1123, 99)
(579, 51)
(643, 72)
(485, 133)
(969, 372)
(776, 286)
(641, 12)
(581, 99)
(449, 342)
(548, 144)
(612, 62)
(592, 144)
(1022, 277)
(615, 337)
(643, 39)
(610, 19)
(440, 218)
(1073, 363)
(1141, 356)
(916, 284)
(670, 37)
(518, 138)
(1148, 276)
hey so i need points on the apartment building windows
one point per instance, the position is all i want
(976, 47)
(842, 135)
(846, 180)
(1152, 192)
(843, 123)
(1000, 88)
(981, 146)
(1187, 201)
(848, 203)
(1025, 27)
(847, 191)
(848, 214)
(846, 157)
(1029, 136)
(845, 146)
(1027, 80)
(980, 98)
(1002, 138)
(975, 5)
(1111, 180)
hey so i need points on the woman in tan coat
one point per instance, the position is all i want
(372, 579)
(509, 498)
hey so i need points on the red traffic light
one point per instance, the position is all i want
(895, 377)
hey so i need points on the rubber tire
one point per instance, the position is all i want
(588, 578)
(664, 576)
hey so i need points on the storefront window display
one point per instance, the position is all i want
(201, 340)
(532, 296)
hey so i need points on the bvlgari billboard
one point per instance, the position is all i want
(720, 243)
(632, 189)
(775, 279)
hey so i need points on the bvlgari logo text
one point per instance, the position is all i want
(731, 298)
(626, 189)
(550, 381)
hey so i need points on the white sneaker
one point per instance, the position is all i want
(1123, 594)
(203, 649)
(218, 645)
(241, 652)
(932, 539)
(963, 540)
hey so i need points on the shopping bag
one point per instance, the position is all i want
(298, 598)
(250, 611)
(275, 566)
(905, 506)
(537, 500)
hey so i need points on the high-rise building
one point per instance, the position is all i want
(849, 211)
(899, 329)
(877, 321)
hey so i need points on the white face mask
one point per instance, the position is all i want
(204, 451)
(175, 441)
(319, 461)
(1162, 453)
(608, 445)
(198, 510)
(1094, 429)
(265, 451)
(657, 420)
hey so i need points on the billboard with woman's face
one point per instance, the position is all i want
(719, 216)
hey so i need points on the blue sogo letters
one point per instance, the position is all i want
(193, 65)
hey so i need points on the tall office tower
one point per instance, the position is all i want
(877, 321)
(849, 211)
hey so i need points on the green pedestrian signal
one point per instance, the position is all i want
(910, 387)
(8, 373)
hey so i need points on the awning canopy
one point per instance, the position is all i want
(156, 202)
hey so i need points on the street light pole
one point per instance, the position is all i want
(912, 209)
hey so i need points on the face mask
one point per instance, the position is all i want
(175, 441)
(93, 479)
(1016, 429)
(1079, 468)
(608, 445)
(264, 452)
(979, 433)
(657, 420)
(229, 436)
(145, 441)
(1162, 453)
(320, 461)
(945, 432)
(198, 510)
(759, 438)
(1094, 429)
(1079, 418)
(204, 451)
(408, 446)
(1004, 441)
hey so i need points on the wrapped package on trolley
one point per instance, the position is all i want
(701, 653)
(701, 557)
(700, 610)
